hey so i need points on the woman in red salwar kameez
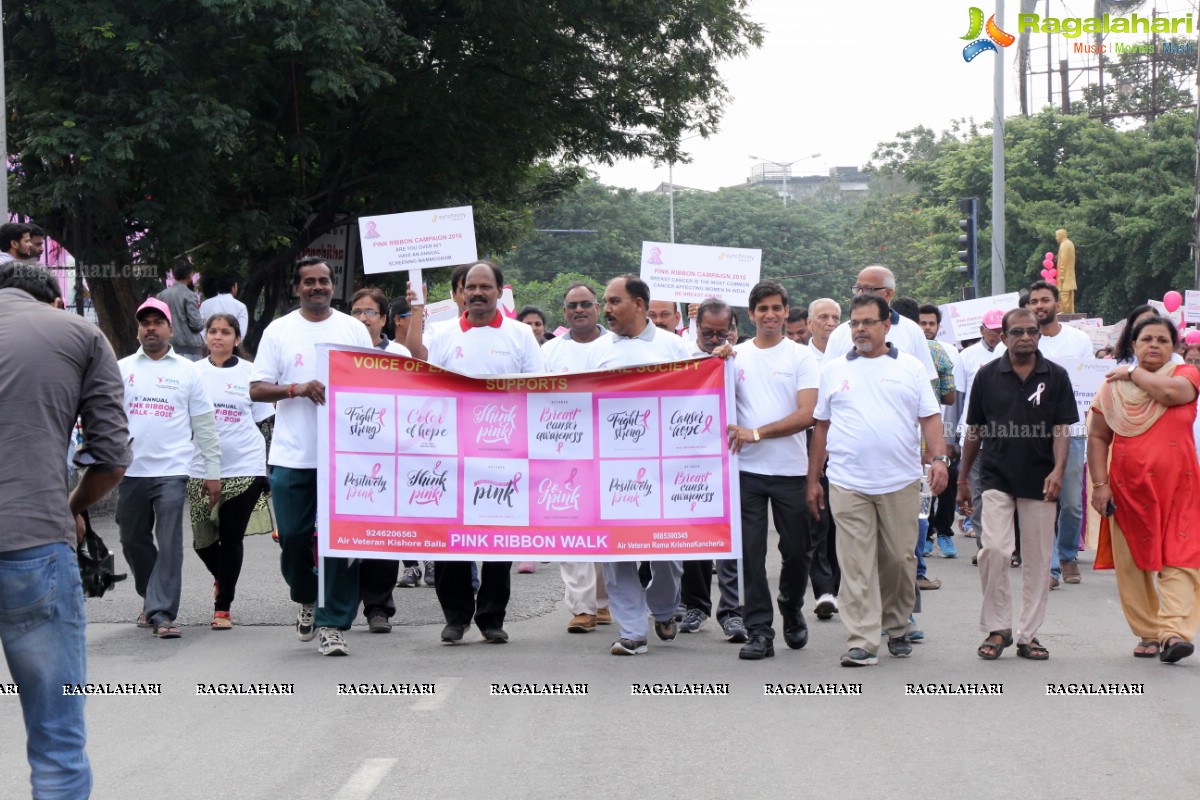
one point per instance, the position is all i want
(1145, 411)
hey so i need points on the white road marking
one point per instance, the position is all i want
(366, 779)
(432, 702)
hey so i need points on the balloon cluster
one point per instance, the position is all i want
(1049, 273)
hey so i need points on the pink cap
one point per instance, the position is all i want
(993, 320)
(1192, 337)
(153, 304)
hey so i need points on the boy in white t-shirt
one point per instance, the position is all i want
(285, 372)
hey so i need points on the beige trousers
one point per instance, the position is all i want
(875, 535)
(584, 584)
(1000, 538)
(1154, 614)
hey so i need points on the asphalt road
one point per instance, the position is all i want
(462, 740)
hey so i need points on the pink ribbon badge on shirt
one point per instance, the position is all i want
(299, 360)
(845, 385)
(741, 375)
(458, 353)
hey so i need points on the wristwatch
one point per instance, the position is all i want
(944, 459)
(1132, 367)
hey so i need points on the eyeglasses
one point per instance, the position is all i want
(369, 313)
(584, 304)
(1017, 333)
(855, 324)
(707, 334)
(866, 289)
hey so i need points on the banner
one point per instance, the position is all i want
(964, 317)
(1191, 306)
(416, 462)
(688, 273)
(440, 237)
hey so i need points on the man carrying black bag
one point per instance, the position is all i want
(53, 368)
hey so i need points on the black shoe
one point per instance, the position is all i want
(453, 634)
(495, 635)
(795, 630)
(899, 646)
(759, 647)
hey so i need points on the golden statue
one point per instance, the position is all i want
(1066, 272)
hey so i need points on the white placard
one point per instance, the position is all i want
(440, 237)
(1087, 375)
(440, 311)
(334, 249)
(1191, 305)
(964, 317)
(417, 285)
(1175, 316)
(688, 273)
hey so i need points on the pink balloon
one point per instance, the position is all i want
(1053, 273)
(1045, 274)
(1172, 300)
(1049, 256)
(1048, 263)
(1193, 337)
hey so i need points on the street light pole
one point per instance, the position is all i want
(786, 167)
(3, 126)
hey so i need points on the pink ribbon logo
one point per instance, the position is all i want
(375, 471)
(458, 353)
(646, 419)
(131, 379)
(845, 385)
(372, 232)
(382, 411)
(641, 473)
(707, 424)
(515, 481)
(741, 375)
(559, 450)
(299, 360)
(571, 477)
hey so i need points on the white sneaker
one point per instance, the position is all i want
(333, 643)
(304, 622)
(826, 606)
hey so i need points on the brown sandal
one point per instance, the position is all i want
(990, 650)
(166, 630)
(221, 621)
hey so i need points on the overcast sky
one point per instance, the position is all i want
(838, 78)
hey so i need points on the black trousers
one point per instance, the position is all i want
(786, 496)
(224, 559)
(823, 569)
(941, 520)
(376, 580)
(459, 601)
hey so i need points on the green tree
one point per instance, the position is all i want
(236, 131)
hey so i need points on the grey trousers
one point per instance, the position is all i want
(150, 514)
(629, 603)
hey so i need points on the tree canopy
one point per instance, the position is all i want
(236, 131)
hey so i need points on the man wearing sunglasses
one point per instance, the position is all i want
(1022, 405)
(583, 581)
(905, 334)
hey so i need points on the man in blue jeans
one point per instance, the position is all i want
(53, 367)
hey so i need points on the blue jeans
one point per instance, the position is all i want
(1070, 508)
(43, 628)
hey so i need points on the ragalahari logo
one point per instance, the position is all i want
(995, 35)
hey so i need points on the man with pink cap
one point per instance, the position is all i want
(989, 347)
(168, 409)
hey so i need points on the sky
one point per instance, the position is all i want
(839, 78)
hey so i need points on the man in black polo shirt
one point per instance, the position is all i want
(1023, 406)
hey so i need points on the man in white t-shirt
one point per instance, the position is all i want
(874, 405)
(635, 341)
(583, 581)
(482, 342)
(167, 408)
(1063, 341)
(285, 373)
(824, 315)
(225, 302)
(905, 334)
(776, 389)
(714, 327)
(420, 334)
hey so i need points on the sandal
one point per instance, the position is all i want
(1175, 648)
(221, 621)
(1033, 651)
(990, 650)
(166, 630)
(1146, 649)
(142, 622)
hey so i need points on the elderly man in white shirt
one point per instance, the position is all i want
(633, 342)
